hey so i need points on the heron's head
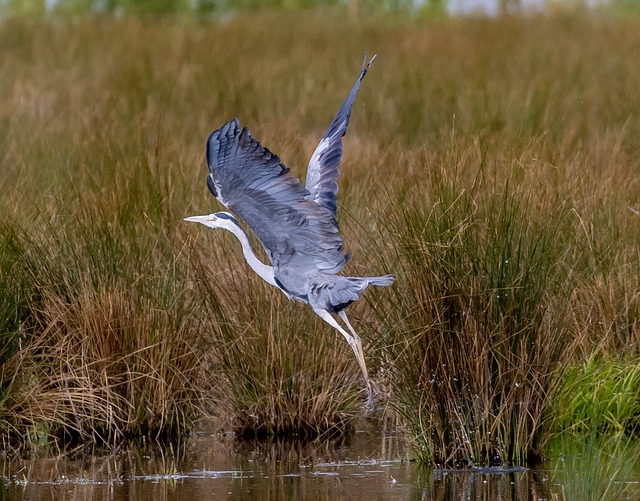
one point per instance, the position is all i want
(215, 220)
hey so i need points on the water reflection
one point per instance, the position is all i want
(370, 464)
(499, 484)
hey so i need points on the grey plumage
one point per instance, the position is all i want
(252, 183)
(295, 224)
(322, 173)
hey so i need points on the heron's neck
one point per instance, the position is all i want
(265, 272)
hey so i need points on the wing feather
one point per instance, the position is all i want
(253, 183)
(322, 173)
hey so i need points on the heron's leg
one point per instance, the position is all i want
(354, 334)
(358, 342)
(354, 342)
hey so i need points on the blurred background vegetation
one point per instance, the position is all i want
(207, 8)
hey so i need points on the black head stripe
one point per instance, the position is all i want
(229, 217)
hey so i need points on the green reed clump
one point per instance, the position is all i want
(599, 395)
(471, 347)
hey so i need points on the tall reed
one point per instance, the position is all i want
(473, 333)
(107, 350)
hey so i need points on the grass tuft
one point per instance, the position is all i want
(106, 352)
(472, 336)
(599, 395)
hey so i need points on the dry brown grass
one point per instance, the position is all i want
(278, 369)
(99, 356)
(102, 127)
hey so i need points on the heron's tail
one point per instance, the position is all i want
(337, 292)
(383, 281)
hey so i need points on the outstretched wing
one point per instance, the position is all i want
(323, 172)
(253, 183)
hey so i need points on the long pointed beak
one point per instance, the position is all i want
(195, 219)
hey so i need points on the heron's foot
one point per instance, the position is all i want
(374, 396)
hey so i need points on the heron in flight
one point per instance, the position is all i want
(295, 224)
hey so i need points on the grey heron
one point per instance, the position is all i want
(295, 224)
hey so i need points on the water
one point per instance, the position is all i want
(369, 464)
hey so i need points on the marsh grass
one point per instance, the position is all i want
(279, 370)
(505, 262)
(599, 395)
(109, 345)
(106, 351)
(489, 164)
(15, 291)
(609, 326)
(475, 317)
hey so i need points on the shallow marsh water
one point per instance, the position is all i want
(367, 464)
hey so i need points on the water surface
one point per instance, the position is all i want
(367, 464)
